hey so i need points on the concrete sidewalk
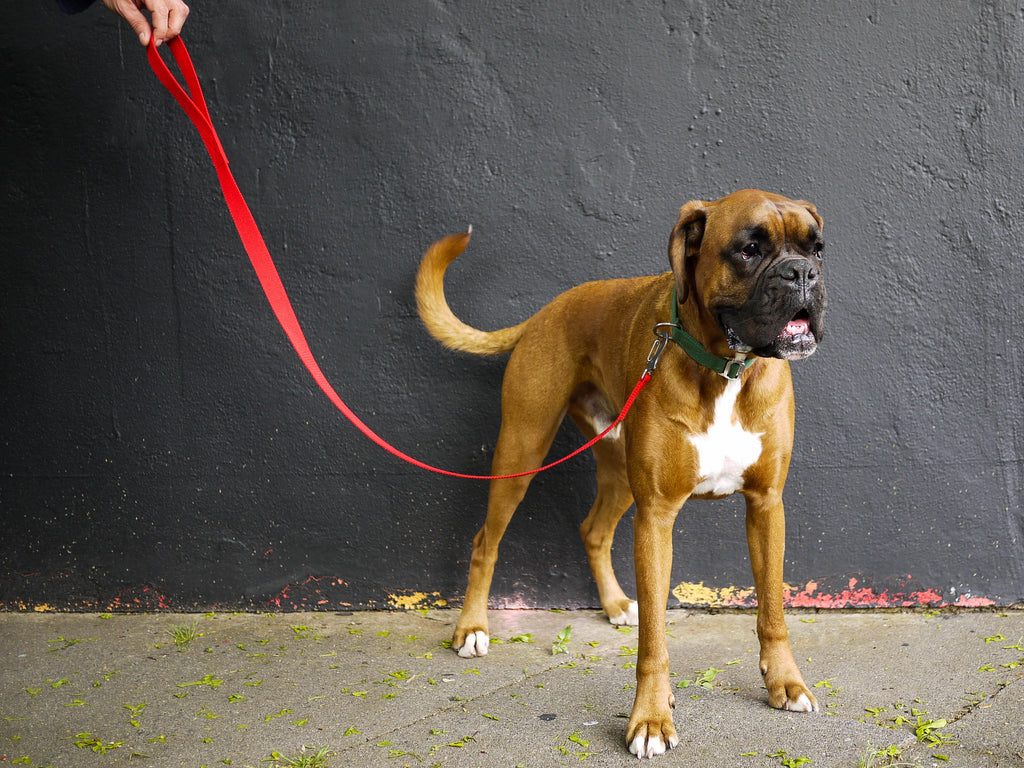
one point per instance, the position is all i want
(380, 689)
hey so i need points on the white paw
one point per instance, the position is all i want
(802, 704)
(643, 747)
(476, 645)
(629, 618)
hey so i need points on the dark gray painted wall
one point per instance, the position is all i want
(163, 446)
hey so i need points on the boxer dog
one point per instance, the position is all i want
(745, 296)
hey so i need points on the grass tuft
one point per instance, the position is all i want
(304, 759)
(183, 634)
(887, 757)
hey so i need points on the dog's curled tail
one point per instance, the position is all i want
(438, 317)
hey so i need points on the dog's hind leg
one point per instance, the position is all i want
(614, 498)
(471, 631)
(530, 418)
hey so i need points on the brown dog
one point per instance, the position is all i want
(747, 284)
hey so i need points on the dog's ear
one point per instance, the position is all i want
(684, 243)
(813, 211)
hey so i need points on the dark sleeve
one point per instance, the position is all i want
(74, 6)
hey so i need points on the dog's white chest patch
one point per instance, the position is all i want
(726, 450)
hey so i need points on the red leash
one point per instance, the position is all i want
(195, 107)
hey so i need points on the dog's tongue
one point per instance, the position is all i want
(797, 327)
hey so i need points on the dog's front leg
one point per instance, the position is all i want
(766, 538)
(650, 730)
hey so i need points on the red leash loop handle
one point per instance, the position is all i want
(195, 107)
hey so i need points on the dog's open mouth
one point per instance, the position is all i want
(798, 329)
(796, 340)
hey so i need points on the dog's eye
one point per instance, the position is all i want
(750, 250)
(819, 251)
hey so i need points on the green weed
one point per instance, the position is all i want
(887, 757)
(307, 758)
(88, 741)
(561, 644)
(183, 634)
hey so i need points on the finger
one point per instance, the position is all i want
(168, 18)
(159, 11)
(138, 24)
(130, 12)
(176, 18)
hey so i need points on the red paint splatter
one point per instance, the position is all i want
(314, 592)
(966, 601)
(855, 596)
(904, 594)
(143, 597)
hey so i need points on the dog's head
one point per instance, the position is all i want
(753, 262)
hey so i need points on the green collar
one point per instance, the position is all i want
(730, 368)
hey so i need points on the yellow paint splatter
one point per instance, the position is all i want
(689, 593)
(417, 600)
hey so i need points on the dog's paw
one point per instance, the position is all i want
(653, 739)
(650, 732)
(803, 703)
(475, 644)
(785, 684)
(627, 617)
(791, 695)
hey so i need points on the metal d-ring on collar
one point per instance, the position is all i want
(729, 368)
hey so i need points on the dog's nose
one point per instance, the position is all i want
(801, 274)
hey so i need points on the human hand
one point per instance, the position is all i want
(168, 16)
